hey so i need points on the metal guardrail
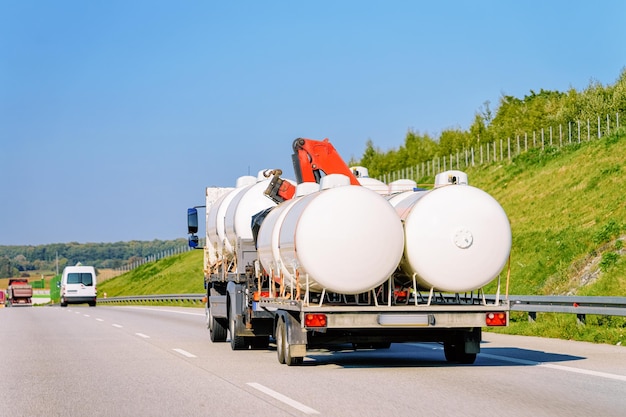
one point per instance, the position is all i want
(579, 305)
(134, 299)
(533, 304)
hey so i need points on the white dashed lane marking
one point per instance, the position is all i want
(283, 398)
(184, 353)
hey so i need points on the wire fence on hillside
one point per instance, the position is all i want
(574, 132)
(152, 258)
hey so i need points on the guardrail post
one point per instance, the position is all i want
(532, 316)
(581, 319)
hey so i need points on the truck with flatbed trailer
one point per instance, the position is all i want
(336, 257)
(19, 292)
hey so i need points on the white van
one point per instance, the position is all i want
(78, 285)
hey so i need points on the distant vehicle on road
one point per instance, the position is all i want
(78, 285)
(19, 292)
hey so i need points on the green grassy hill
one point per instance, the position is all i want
(567, 209)
(178, 274)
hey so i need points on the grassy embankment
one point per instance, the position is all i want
(567, 209)
(178, 274)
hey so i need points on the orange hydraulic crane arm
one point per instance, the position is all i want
(312, 159)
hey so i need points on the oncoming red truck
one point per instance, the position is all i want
(19, 293)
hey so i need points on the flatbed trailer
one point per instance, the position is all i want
(241, 305)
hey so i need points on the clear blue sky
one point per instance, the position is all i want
(114, 115)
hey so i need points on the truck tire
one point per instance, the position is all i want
(283, 347)
(236, 342)
(280, 341)
(217, 331)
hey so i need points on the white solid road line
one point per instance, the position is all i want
(184, 353)
(282, 398)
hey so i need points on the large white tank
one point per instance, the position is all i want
(268, 236)
(362, 175)
(245, 204)
(457, 237)
(216, 234)
(347, 239)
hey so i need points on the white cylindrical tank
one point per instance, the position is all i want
(402, 185)
(362, 175)
(216, 233)
(457, 237)
(245, 204)
(268, 236)
(345, 239)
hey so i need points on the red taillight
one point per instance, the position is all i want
(315, 320)
(496, 319)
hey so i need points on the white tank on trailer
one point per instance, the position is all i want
(216, 234)
(362, 175)
(345, 239)
(245, 204)
(402, 185)
(457, 237)
(268, 236)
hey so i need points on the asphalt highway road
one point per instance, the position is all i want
(158, 361)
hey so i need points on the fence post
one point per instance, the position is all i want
(542, 139)
(550, 135)
(608, 125)
(569, 130)
(526, 141)
(509, 147)
(598, 127)
(588, 130)
(578, 131)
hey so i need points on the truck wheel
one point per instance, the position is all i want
(217, 331)
(236, 342)
(280, 341)
(455, 353)
(283, 348)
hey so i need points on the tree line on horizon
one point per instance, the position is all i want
(17, 260)
(512, 117)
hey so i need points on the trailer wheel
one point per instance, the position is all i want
(236, 342)
(217, 331)
(280, 341)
